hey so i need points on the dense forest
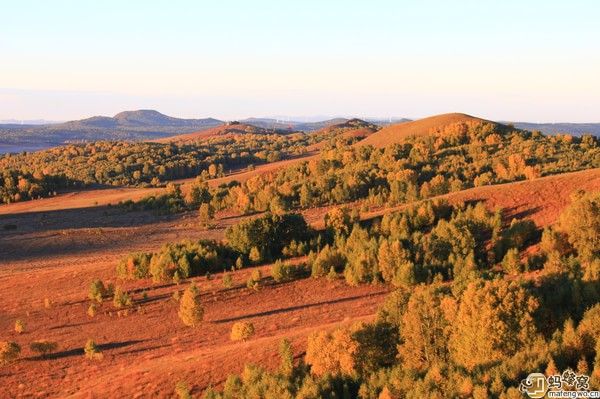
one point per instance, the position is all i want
(120, 163)
(458, 157)
(459, 323)
(465, 318)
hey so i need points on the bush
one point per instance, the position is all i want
(242, 331)
(9, 352)
(182, 390)
(19, 327)
(134, 266)
(255, 256)
(227, 280)
(253, 282)
(511, 264)
(284, 271)
(326, 259)
(206, 213)
(189, 259)
(43, 347)
(92, 310)
(121, 299)
(97, 291)
(91, 350)
(191, 311)
(268, 234)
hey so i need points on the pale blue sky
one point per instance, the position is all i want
(504, 60)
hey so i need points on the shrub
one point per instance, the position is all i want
(239, 263)
(332, 275)
(92, 310)
(19, 327)
(91, 350)
(9, 352)
(284, 271)
(121, 298)
(43, 347)
(327, 258)
(188, 259)
(511, 264)
(254, 281)
(97, 291)
(134, 266)
(227, 280)
(191, 311)
(182, 390)
(269, 234)
(517, 235)
(255, 256)
(206, 213)
(242, 331)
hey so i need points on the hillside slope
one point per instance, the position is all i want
(219, 131)
(397, 132)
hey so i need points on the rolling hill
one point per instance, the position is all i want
(395, 133)
(233, 128)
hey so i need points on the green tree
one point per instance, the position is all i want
(191, 311)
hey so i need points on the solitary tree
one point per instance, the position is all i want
(91, 350)
(191, 311)
(43, 347)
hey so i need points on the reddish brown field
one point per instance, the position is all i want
(61, 244)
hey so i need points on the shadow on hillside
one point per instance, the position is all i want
(72, 231)
(297, 307)
(76, 218)
(512, 213)
(80, 352)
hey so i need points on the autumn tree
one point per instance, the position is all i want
(206, 213)
(581, 222)
(332, 352)
(495, 319)
(191, 311)
(424, 329)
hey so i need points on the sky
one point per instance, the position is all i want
(532, 60)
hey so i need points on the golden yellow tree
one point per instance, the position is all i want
(494, 321)
(331, 352)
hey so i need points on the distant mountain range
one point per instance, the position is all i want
(128, 125)
(151, 125)
(576, 129)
